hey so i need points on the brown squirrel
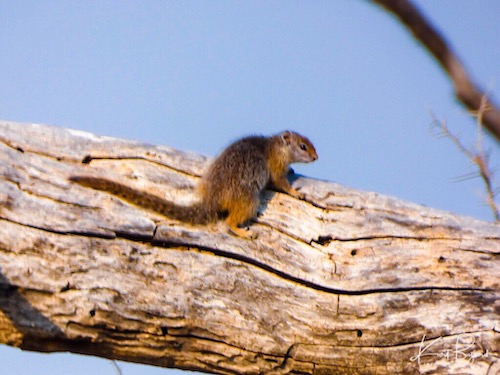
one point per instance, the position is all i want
(232, 184)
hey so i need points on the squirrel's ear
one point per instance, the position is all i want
(286, 137)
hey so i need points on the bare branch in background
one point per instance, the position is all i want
(465, 90)
(477, 156)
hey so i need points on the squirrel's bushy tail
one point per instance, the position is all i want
(197, 213)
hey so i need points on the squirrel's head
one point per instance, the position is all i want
(300, 148)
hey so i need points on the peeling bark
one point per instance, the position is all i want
(346, 282)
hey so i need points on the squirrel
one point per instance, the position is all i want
(232, 184)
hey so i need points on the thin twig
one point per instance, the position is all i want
(481, 160)
(117, 368)
(477, 156)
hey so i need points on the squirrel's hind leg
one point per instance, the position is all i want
(243, 233)
(239, 214)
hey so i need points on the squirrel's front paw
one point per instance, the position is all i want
(297, 194)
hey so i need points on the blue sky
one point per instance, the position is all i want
(195, 75)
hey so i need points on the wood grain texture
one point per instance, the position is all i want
(345, 282)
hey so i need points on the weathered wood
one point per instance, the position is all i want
(345, 282)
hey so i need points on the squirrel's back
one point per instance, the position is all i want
(240, 170)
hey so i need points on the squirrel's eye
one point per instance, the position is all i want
(303, 147)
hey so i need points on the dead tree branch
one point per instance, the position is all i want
(347, 282)
(465, 89)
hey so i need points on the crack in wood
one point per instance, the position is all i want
(390, 237)
(284, 233)
(419, 342)
(88, 159)
(323, 240)
(288, 361)
(11, 145)
(56, 200)
(34, 152)
(263, 266)
(103, 236)
(312, 285)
